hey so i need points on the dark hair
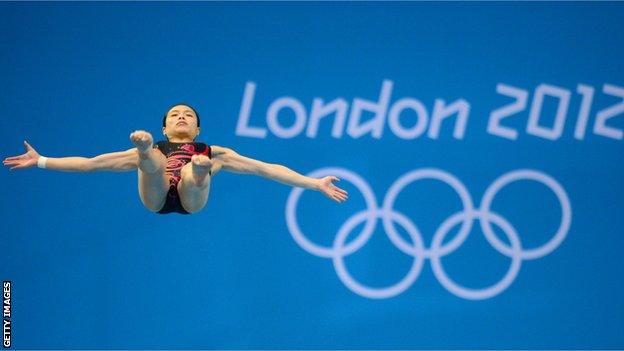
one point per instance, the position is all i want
(174, 105)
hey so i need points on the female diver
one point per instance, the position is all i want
(174, 175)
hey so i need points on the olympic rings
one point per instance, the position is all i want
(417, 248)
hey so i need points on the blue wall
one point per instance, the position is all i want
(466, 93)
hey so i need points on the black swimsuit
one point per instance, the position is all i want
(178, 154)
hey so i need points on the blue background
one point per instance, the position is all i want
(92, 268)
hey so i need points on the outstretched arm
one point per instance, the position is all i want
(229, 160)
(114, 161)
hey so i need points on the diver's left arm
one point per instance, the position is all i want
(231, 161)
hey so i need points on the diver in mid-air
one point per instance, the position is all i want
(174, 175)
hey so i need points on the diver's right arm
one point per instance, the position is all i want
(115, 161)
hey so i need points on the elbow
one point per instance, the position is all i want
(266, 170)
(88, 165)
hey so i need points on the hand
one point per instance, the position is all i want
(142, 140)
(27, 160)
(330, 190)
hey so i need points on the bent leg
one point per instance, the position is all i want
(194, 185)
(153, 182)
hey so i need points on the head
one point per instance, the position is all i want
(181, 123)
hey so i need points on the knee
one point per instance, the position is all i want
(152, 206)
(193, 210)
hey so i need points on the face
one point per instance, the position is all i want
(181, 123)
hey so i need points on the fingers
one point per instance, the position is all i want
(19, 165)
(12, 162)
(15, 164)
(28, 147)
(339, 200)
(342, 197)
(13, 158)
(338, 197)
(342, 191)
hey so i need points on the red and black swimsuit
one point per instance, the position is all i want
(178, 154)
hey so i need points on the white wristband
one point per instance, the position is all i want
(41, 162)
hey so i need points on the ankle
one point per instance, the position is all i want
(145, 154)
(197, 179)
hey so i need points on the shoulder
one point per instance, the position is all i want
(161, 144)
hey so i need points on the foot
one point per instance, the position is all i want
(143, 142)
(201, 170)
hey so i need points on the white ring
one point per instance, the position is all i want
(484, 293)
(377, 293)
(527, 174)
(369, 227)
(426, 173)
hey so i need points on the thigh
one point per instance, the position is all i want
(153, 187)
